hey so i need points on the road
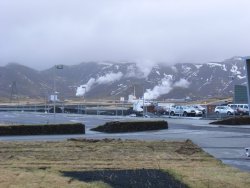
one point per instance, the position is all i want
(225, 143)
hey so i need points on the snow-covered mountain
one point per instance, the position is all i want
(112, 80)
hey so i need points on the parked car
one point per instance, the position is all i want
(183, 111)
(224, 110)
(199, 107)
(198, 112)
(241, 109)
(132, 115)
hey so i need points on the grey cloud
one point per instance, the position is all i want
(42, 33)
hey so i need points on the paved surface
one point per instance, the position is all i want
(226, 143)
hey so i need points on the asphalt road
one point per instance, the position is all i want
(226, 143)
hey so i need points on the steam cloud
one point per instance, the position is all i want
(108, 78)
(164, 87)
(182, 83)
(82, 89)
(141, 69)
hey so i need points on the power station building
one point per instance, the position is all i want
(240, 94)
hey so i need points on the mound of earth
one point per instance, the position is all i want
(48, 129)
(188, 148)
(242, 120)
(131, 126)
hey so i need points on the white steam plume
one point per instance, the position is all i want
(108, 78)
(164, 87)
(182, 83)
(145, 67)
(82, 89)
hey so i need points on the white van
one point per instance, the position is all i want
(241, 109)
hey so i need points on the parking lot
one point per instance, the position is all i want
(226, 143)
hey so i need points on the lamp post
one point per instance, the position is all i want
(45, 100)
(143, 102)
(232, 78)
(248, 82)
(54, 87)
(84, 99)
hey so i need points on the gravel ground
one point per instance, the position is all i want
(140, 178)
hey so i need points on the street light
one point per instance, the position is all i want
(54, 87)
(248, 82)
(233, 83)
(143, 113)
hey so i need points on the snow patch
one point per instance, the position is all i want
(168, 76)
(214, 64)
(185, 68)
(106, 64)
(234, 70)
(198, 66)
(222, 66)
(241, 77)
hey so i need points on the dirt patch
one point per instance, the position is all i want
(131, 126)
(138, 178)
(188, 148)
(243, 120)
(93, 140)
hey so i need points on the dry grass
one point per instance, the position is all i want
(39, 164)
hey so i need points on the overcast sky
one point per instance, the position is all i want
(42, 33)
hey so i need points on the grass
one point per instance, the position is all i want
(41, 164)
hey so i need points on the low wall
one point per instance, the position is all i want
(131, 126)
(51, 129)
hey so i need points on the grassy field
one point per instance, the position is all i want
(48, 164)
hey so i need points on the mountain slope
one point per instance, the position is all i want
(113, 80)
